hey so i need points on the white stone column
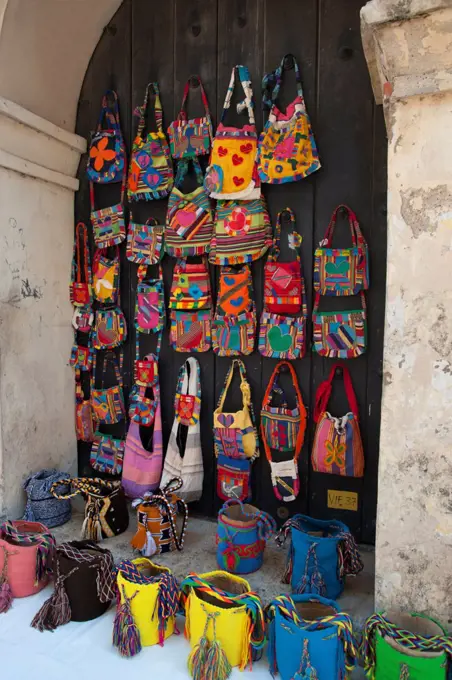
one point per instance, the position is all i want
(409, 50)
(38, 163)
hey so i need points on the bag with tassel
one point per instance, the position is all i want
(144, 588)
(224, 623)
(84, 585)
(322, 553)
(309, 637)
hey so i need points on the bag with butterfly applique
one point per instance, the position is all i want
(234, 323)
(188, 138)
(190, 308)
(145, 242)
(107, 153)
(108, 402)
(337, 447)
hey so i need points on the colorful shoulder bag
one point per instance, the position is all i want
(287, 150)
(283, 430)
(235, 440)
(109, 226)
(340, 335)
(342, 271)
(107, 153)
(108, 402)
(110, 327)
(84, 416)
(190, 305)
(107, 454)
(145, 242)
(188, 138)
(106, 277)
(151, 170)
(337, 447)
(81, 289)
(189, 220)
(149, 308)
(232, 171)
(234, 324)
(283, 320)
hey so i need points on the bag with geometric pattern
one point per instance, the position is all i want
(145, 242)
(340, 335)
(188, 138)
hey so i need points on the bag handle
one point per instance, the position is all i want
(158, 113)
(189, 386)
(248, 101)
(183, 112)
(325, 388)
(244, 384)
(361, 296)
(182, 169)
(84, 485)
(109, 357)
(81, 243)
(163, 500)
(294, 237)
(271, 82)
(110, 112)
(357, 237)
(92, 198)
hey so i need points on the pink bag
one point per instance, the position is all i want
(27, 572)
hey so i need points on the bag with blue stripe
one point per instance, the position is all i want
(309, 638)
(321, 554)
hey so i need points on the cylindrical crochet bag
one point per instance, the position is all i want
(406, 646)
(309, 637)
(148, 599)
(26, 554)
(242, 533)
(224, 623)
(322, 553)
(84, 585)
(42, 506)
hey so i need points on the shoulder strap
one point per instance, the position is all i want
(109, 112)
(362, 297)
(86, 485)
(271, 82)
(244, 385)
(294, 237)
(182, 169)
(81, 243)
(191, 385)
(152, 88)
(110, 357)
(183, 113)
(248, 101)
(325, 388)
(357, 237)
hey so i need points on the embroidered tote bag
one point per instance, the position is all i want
(287, 150)
(41, 505)
(110, 329)
(146, 371)
(107, 153)
(150, 305)
(184, 454)
(340, 335)
(232, 171)
(283, 430)
(81, 290)
(234, 323)
(106, 277)
(151, 170)
(337, 447)
(108, 402)
(107, 454)
(84, 417)
(189, 220)
(242, 232)
(342, 271)
(242, 534)
(157, 520)
(190, 307)
(188, 138)
(145, 242)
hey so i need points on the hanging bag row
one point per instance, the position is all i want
(191, 307)
(234, 323)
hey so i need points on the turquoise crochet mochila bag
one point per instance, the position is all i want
(322, 553)
(309, 638)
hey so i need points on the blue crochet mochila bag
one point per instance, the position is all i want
(242, 534)
(42, 506)
(322, 553)
(309, 638)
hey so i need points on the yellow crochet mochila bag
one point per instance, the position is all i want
(224, 623)
(147, 602)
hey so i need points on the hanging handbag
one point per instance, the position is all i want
(110, 328)
(283, 430)
(109, 226)
(150, 305)
(142, 408)
(242, 232)
(145, 242)
(341, 271)
(151, 171)
(41, 505)
(337, 447)
(189, 219)
(107, 454)
(108, 402)
(190, 307)
(106, 512)
(242, 534)
(107, 153)
(146, 370)
(340, 335)
(287, 150)
(106, 277)
(232, 171)
(183, 456)
(234, 323)
(81, 291)
(188, 138)
(157, 531)
(84, 417)
(81, 358)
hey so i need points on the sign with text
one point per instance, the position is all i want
(343, 500)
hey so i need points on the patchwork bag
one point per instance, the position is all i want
(157, 530)
(108, 402)
(242, 533)
(107, 153)
(84, 585)
(309, 637)
(183, 456)
(341, 271)
(151, 171)
(337, 447)
(109, 226)
(188, 138)
(81, 289)
(225, 617)
(145, 242)
(81, 358)
(283, 430)
(322, 554)
(340, 335)
(232, 171)
(150, 305)
(106, 512)
(234, 323)
(144, 587)
(41, 505)
(190, 308)
(146, 370)
(107, 454)
(189, 219)
(235, 440)
(110, 328)
(406, 646)
(84, 416)
(106, 277)
(287, 150)
(242, 232)
(142, 408)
